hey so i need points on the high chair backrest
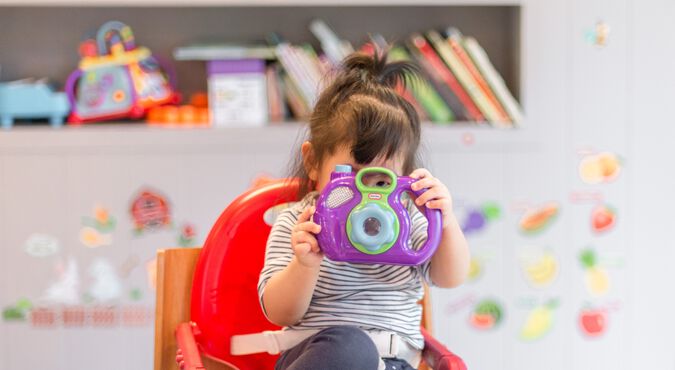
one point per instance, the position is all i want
(224, 298)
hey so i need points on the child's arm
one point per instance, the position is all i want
(288, 292)
(450, 263)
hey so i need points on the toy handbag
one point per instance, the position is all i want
(369, 224)
(116, 79)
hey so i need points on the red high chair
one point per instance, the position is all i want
(221, 280)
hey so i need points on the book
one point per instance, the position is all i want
(452, 61)
(444, 81)
(275, 99)
(493, 78)
(333, 47)
(224, 52)
(454, 38)
(432, 103)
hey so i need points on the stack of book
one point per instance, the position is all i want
(458, 82)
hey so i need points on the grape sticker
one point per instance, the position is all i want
(538, 219)
(487, 315)
(477, 218)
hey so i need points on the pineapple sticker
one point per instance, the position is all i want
(539, 321)
(597, 279)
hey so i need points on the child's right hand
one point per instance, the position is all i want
(303, 240)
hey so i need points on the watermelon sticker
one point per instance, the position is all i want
(486, 315)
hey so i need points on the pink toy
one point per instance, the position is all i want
(116, 79)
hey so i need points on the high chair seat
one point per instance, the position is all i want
(221, 281)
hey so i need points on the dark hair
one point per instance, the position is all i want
(362, 109)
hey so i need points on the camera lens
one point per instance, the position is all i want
(372, 226)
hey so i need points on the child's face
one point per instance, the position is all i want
(343, 155)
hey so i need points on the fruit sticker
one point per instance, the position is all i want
(97, 231)
(41, 245)
(538, 219)
(539, 321)
(540, 267)
(603, 218)
(477, 218)
(599, 168)
(486, 315)
(596, 278)
(187, 236)
(150, 211)
(592, 322)
(475, 268)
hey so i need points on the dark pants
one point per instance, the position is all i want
(337, 348)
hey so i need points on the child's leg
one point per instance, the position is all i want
(396, 364)
(339, 347)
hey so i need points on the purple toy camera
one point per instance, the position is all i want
(363, 223)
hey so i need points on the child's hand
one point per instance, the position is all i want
(437, 196)
(303, 240)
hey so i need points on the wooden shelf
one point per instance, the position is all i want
(140, 138)
(228, 3)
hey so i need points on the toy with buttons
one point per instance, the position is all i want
(368, 223)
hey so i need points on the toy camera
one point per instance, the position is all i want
(116, 79)
(363, 223)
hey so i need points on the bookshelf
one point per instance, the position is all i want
(495, 24)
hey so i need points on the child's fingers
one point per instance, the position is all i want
(426, 182)
(302, 249)
(305, 215)
(420, 173)
(308, 226)
(300, 237)
(441, 204)
(428, 195)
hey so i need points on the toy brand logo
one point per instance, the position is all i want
(374, 196)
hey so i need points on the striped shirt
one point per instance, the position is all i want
(369, 296)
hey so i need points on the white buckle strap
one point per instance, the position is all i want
(388, 344)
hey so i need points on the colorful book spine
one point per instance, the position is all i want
(440, 71)
(432, 103)
(454, 38)
(481, 60)
(467, 81)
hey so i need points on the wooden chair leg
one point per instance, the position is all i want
(175, 268)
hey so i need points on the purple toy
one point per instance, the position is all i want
(370, 224)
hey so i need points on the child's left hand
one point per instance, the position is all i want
(437, 196)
